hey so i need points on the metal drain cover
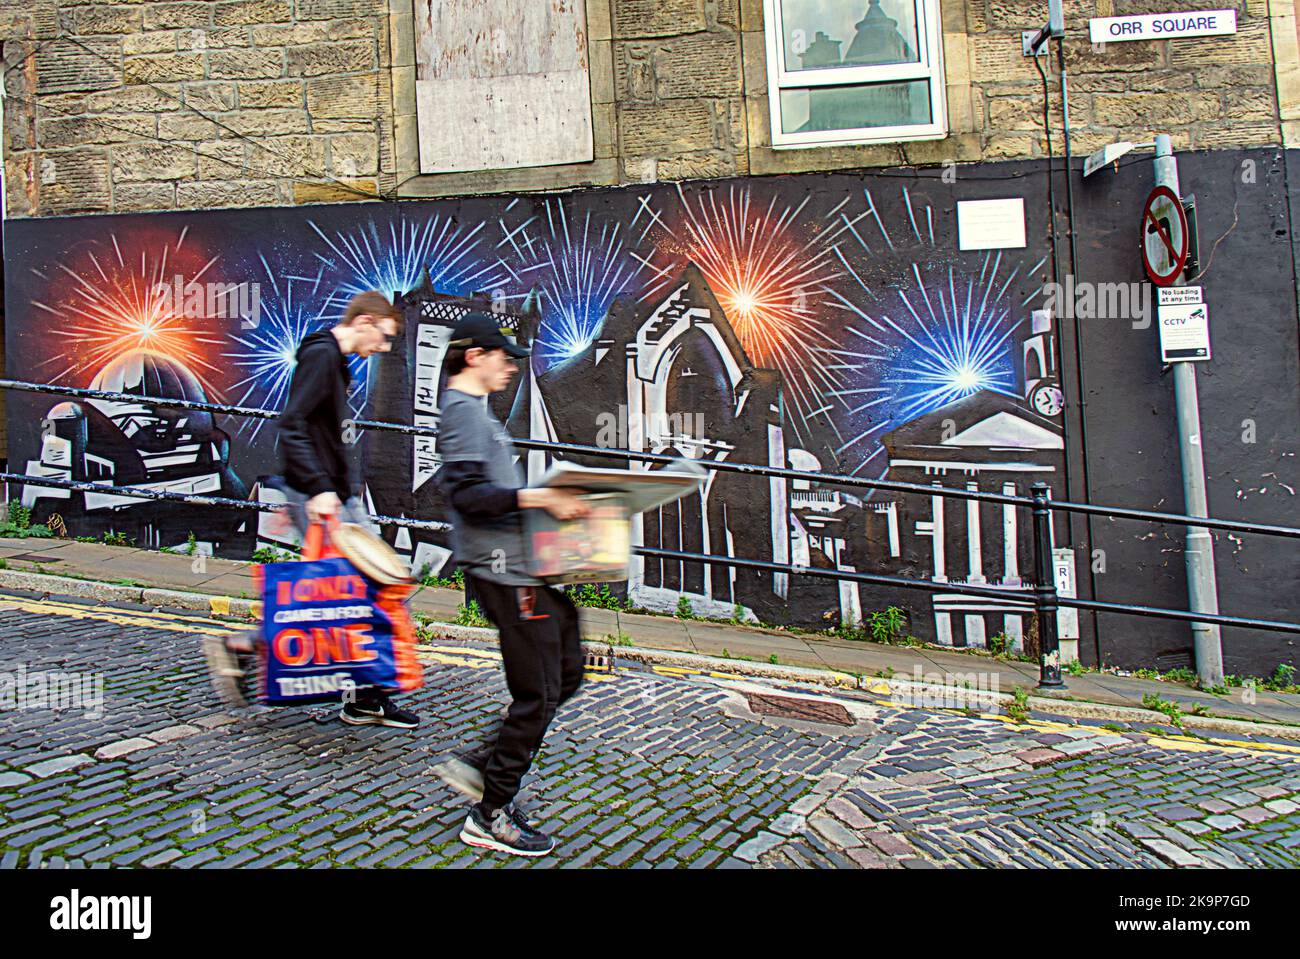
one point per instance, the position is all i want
(597, 661)
(791, 707)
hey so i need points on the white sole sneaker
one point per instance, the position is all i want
(472, 835)
(375, 720)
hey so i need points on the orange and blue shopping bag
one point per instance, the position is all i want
(328, 631)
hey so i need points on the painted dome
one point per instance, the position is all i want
(146, 373)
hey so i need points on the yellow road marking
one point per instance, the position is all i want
(161, 621)
(1270, 747)
(484, 659)
(465, 651)
(1007, 720)
(1182, 744)
(1048, 724)
(220, 605)
(452, 660)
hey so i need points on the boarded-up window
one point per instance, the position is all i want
(502, 83)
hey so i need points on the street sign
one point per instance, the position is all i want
(1107, 154)
(1184, 331)
(1179, 295)
(1067, 618)
(1164, 236)
(1163, 26)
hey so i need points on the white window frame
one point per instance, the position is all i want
(929, 67)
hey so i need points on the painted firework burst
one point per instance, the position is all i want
(267, 354)
(925, 346)
(393, 260)
(770, 271)
(578, 267)
(120, 300)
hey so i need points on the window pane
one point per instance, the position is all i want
(855, 107)
(848, 33)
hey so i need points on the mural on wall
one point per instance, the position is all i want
(825, 324)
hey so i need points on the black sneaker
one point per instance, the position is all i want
(383, 714)
(507, 831)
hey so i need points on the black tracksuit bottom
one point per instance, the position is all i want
(541, 650)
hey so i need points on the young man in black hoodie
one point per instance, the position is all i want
(317, 478)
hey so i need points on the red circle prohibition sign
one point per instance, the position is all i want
(1176, 247)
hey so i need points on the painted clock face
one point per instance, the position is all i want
(1048, 400)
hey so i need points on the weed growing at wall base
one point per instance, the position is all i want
(596, 597)
(18, 523)
(456, 581)
(471, 615)
(269, 554)
(1162, 705)
(1018, 708)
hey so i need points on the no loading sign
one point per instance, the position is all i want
(1164, 236)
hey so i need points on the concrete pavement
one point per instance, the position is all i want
(132, 569)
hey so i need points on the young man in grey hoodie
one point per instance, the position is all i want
(541, 649)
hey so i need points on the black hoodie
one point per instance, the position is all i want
(311, 424)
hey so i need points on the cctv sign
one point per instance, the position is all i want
(1163, 26)
(1184, 322)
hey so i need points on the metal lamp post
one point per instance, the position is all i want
(1202, 589)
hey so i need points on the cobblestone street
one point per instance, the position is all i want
(649, 768)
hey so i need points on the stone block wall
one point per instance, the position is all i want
(136, 106)
(132, 107)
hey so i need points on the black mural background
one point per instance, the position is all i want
(822, 322)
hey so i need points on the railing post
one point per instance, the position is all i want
(1049, 653)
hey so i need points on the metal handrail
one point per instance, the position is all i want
(1010, 594)
(1042, 594)
(929, 585)
(753, 469)
(141, 492)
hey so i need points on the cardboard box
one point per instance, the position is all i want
(593, 549)
(598, 547)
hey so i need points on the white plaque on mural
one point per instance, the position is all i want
(502, 84)
(991, 224)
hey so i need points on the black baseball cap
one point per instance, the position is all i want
(486, 332)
